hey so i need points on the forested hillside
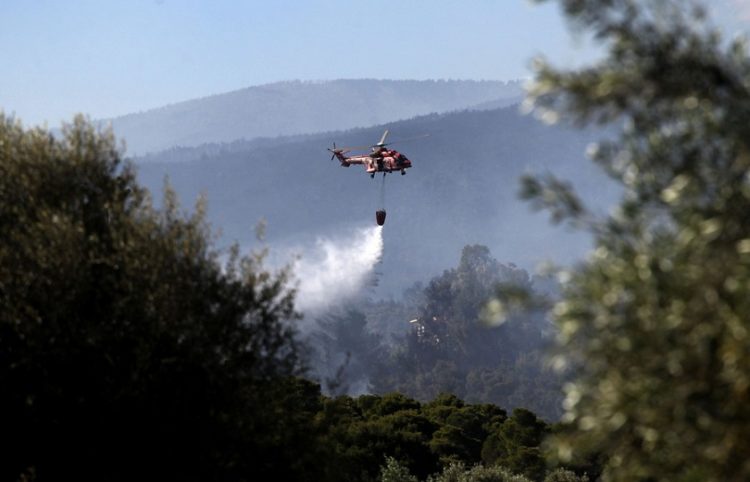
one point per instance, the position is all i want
(287, 108)
(463, 189)
(129, 349)
(456, 212)
(440, 338)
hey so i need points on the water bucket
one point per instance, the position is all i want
(380, 216)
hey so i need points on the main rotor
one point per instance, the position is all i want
(372, 147)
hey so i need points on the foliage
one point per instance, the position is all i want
(371, 427)
(124, 346)
(458, 346)
(477, 473)
(515, 444)
(463, 430)
(656, 321)
(347, 351)
(392, 471)
(434, 439)
(564, 475)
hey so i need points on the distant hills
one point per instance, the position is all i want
(462, 189)
(296, 107)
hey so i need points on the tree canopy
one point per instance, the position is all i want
(656, 321)
(455, 345)
(125, 346)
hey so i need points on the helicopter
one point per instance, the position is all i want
(380, 158)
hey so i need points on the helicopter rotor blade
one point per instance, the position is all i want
(338, 150)
(355, 148)
(333, 151)
(408, 139)
(382, 143)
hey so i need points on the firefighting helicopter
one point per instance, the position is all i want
(380, 158)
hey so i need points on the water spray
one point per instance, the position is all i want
(336, 270)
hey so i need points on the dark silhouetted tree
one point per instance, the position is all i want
(126, 350)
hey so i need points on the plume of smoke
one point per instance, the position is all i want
(336, 269)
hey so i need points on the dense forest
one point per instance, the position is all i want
(441, 338)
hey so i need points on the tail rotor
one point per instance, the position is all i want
(333, 151)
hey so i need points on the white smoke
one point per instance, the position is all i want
(336, 269)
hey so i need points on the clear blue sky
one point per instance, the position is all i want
(111, 57)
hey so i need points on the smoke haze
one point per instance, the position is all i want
(336, 269)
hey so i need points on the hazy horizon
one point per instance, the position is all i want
(115, 58)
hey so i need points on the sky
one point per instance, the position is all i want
(114, 57)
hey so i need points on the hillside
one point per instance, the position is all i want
(462, 189)
(289, 108)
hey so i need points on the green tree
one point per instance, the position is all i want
(656, 322)
(457, 346)
(392, 471)
(563, 475)
(478, 473)
(515, 444)
(463, 428)
(450, 318)
(347, 351)
(362, 431)
(126, 349)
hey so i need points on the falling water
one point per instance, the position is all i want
(335, 270)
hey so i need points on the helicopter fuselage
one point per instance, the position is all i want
(386, 160)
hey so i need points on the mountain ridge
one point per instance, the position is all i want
(300, 107)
